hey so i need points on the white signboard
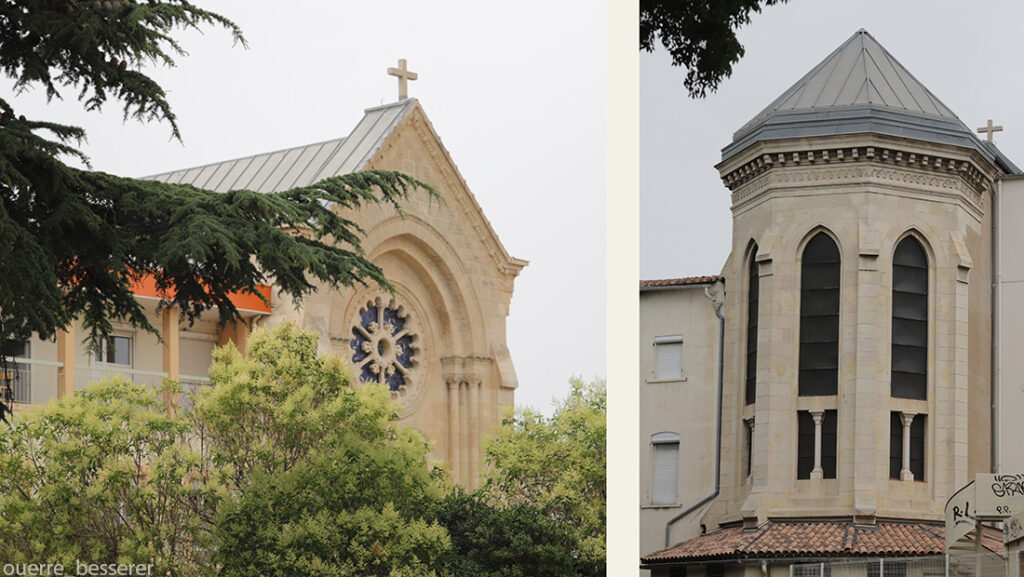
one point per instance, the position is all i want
(998, 496)
(988, 497)
(960, 515)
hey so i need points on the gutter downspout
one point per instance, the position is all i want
(997, 193)
(718, 426)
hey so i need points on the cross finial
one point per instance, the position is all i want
(989, 129)
(404, 76)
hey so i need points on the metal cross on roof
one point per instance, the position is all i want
(989, 129)
(404, 75)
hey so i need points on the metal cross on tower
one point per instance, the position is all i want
(989, 129)
(404, 75)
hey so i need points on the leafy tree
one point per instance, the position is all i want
(513, 540)
(281, 468)
(324, 481)
(700, 35)
(558, 464)
(72, 241)
(105, 476)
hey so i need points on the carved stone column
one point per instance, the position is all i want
(454, 438)
(817, 472)
(906, 419)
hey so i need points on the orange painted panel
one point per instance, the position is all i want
(146, 287)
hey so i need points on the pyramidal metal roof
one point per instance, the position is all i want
(859, 87)
(299, 166)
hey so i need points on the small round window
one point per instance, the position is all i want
(383, 348)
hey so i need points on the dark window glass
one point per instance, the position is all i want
(677, 572)
(749, 430)
(805, 444)
(895, 446)
(116, 350)
(819, 317)
(909, 321)
(916, 447)
(15, 384)
(828, 444)
(752, 293)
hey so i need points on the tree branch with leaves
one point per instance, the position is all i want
(73, 241)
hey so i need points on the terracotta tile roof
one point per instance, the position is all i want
(690, 280)
(816, 539)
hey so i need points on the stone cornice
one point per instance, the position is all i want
(850, 155)
(908, 169)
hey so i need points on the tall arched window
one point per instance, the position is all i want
(752, 294)
(819, 317)
(909, 320)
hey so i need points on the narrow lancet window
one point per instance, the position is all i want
(819, 317)
(909, 320)
(752, 294)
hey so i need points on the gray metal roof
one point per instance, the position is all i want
(300, 166)
(859, 87)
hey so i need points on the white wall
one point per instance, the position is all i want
(685, 407)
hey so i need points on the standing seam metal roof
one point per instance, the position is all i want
(859, 87)
(300, 166)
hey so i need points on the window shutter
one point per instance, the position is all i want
(666, 468)
(910, 320)
(819, 317)
(668, 352)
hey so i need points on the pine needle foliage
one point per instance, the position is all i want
(73, 241)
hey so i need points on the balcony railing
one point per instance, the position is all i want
(36, 381)
(24, 376)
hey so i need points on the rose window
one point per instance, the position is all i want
(382, 345)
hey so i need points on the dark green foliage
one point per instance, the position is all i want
(514, 541)
(700, 35)
(98, 48)
(72, 241)
(559, 466)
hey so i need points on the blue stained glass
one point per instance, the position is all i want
(404, 345)
(368, 316)
(387, 354)
(395, 381)
(366, 376)
(391, 316)
(357, 346)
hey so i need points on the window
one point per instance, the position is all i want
(909, 321)
(116, 350)
(906, 439)
(816, 429)
(668, 358)
(748, 445)
(16, 383)
(811, 570)
(715, 570)
(665, 478)
(888, 569)
(753, 289)
(819, 317)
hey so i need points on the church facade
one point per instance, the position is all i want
(438, 342)
(855, 364)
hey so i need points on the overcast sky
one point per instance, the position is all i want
(517, 99)
(967, 54)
